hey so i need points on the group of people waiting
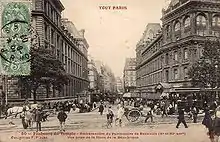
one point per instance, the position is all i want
(37, 116)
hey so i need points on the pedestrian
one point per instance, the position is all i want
(101, 108)
(120, 114)
(216, 125)
(181, 119)
(62, 118)
(164, 109)
(24, 119)
(207, 121)
(149, 114)
(110, 116)
(94, 105)
(38, 118)
(195, 112)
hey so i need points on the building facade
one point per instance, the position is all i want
(107, 81)
(120, 85)
(166, 58)
(94, 78)
(67, 43)
(129, 75)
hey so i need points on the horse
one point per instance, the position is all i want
(13, 111)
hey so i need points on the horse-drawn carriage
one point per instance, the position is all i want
(134, 113)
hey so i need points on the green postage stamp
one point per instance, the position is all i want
(15, 41)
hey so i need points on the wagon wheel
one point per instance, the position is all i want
(133, 115)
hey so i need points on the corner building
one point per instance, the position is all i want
(164, 55)
(129, 75)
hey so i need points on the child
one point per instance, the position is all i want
(110, 116)
(62, 118)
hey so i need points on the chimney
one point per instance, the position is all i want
(82, 32)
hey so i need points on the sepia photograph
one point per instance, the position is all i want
(109, 70)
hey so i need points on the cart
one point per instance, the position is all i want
(133, 114)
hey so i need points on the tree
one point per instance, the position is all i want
(205, 72)
(45, 70)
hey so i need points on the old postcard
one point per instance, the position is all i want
(109, 70)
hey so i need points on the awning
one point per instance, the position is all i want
(127, 95)
(153, 96)
(166, 85)
(180, 90)
(163, 87)
(164, 94)
(131, 95)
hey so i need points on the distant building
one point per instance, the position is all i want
(94, 78)
(107, 78)
(129, 76)
(120, 85)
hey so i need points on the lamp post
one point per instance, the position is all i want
(216, 76)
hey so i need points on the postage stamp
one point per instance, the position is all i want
(16, 37)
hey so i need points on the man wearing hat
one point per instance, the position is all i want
(62, 118)
(38, 117)
(181, 119)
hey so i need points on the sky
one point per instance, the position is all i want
(113, 34)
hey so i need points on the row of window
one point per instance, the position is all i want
(71, 53)
(175, 75)
(151, 79)
(201, 24)
(157, 64)
(74, 86)
(158, 77)
(155, 47)
(130, 73)
(72, 67)
(56, 41)
(176, 56)
(52, 13)
(74, 63)
(130, 82)
(150, 67)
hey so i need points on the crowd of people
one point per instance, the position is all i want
(35, 114)
(150, 109)
(211, 111)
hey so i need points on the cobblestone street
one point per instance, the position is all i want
(162, 130)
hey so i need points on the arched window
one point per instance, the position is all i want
(201, 20)
(151, 34)
(177, 26)
(187, 22)
(168, 31)
(216, 20)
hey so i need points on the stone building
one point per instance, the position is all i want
(107, 81)
(120, 85)
(129, 75)
(94, 78)
(164, 60)
(67, 43)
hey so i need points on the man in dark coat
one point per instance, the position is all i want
(101, 109)
(62, 118)
(38, 118)
(181, 119)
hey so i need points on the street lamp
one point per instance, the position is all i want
(216, 76)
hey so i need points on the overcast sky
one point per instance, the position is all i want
(113, 34)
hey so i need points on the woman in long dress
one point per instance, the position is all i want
(207, 121)
(120, 113)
